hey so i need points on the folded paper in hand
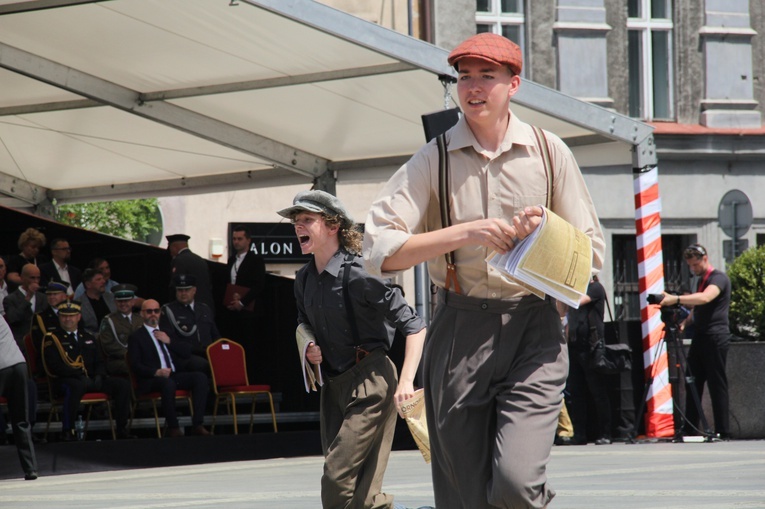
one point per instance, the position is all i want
(311, 372)
(555, 259)
(413, 410)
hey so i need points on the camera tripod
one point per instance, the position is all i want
(671, 338)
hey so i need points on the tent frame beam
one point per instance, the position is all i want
(124, 99)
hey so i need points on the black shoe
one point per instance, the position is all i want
(68, 436)
(603, 441)
(31, 475)
(125, 435)
(725, 437)
(38, 440)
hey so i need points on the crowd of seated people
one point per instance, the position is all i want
(87, 333)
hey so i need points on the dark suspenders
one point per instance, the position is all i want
(444, 193)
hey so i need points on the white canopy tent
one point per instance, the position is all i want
(133, 98)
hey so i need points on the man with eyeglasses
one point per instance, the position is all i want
(711, 338)
(155, 359)
(59, 269)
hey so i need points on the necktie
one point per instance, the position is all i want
(165, 353)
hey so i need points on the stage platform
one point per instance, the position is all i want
(722, 475)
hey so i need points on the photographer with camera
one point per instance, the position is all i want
(711, 338)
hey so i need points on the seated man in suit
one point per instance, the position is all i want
(191, 321)
(21, 305)
(75, 363)
(117, 327)
(156, 361)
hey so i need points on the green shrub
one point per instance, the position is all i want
(747, 303)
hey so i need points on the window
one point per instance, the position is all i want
(503, 17)
(677, 277)
(650, 59)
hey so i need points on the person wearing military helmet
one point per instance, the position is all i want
(495, 360)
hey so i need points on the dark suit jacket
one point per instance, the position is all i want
(84, 346)
(189, 263)
(252, 274)
(18, 313)
(48, 273)
(144, 360)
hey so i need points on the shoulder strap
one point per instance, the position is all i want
(446, 217)
(544, 151)
(349, 257)
(174, 323)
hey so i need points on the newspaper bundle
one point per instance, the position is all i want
(555, 259)
(413, 411)
(311, 372)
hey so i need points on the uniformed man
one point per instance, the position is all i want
(187, 262)
(117, 327)
(74, 362)
(47, 320)
(191, 321)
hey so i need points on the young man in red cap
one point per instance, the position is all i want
(495, 358)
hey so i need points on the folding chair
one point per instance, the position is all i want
(88, 399)
(153, 397)
(229, 372)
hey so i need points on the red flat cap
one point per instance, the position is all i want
(490, 47)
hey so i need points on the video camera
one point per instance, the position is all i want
(670, 315)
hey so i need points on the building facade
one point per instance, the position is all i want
(691, 68)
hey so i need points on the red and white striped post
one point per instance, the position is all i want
(658, 416)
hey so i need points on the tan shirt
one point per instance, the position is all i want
(483, 185)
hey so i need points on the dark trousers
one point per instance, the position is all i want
(358, 418)
(13, 385)
(583, 381)
(31, 405)
(196, 382)
(117, 388)
(494, 377)
(706, 362)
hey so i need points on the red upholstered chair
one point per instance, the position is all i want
(229, 371)
(153, 398)
(88, 399)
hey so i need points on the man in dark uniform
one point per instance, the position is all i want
(74, 362)
(246, 308)
(46, 320)
(117, 327)
(155, 358)
(186, 262)
(189, 321)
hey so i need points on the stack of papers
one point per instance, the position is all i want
(556, 259)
